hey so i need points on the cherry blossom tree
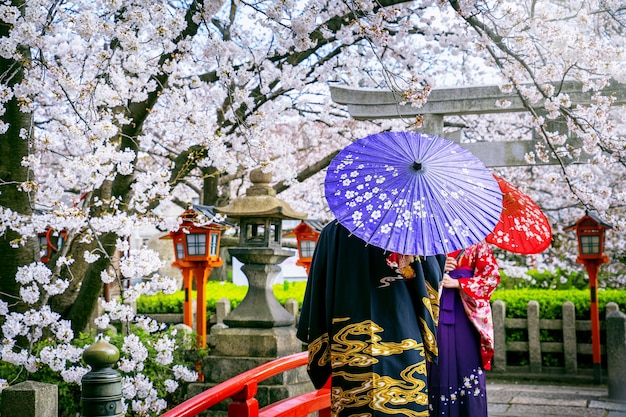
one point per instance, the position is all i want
(114, 108)
(538, 47)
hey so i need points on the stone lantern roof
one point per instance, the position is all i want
(260, 201)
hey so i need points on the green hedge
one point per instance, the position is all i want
(215, 291)
(516, 300)
(551, 301)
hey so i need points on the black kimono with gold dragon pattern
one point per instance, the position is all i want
(368, 328)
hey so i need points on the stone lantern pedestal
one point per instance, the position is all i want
(259, 308)
(259, 329)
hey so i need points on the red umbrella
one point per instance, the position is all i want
(523, 227)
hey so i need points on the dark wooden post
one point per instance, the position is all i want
(102, 386)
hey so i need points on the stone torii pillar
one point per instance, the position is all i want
(371, 104)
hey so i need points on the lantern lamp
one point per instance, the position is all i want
(306, 246)
(590, 231)
(196, 252)
(197, 243)
(50, 242)
(43, 247)
(307, 234)
(260, 232)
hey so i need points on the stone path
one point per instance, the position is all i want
(507, 399)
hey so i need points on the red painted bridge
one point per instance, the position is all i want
(243, 388)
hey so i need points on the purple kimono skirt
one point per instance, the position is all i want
(456, 384)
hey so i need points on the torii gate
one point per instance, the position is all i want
(369, 104)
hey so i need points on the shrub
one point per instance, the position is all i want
(551, 301)
(215, 291)
(516, 300)
(156, 373)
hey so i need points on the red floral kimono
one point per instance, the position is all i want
(457, 386)
(476, 293)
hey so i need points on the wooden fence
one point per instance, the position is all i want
(569, 345)
(567, 353)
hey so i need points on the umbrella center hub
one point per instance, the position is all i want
(416, 166)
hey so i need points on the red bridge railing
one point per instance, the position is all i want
(243, 388)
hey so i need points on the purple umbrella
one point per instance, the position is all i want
(413, 193)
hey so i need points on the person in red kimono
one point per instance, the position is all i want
(456, 384)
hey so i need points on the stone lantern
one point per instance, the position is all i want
(259, 329)
(260, 215)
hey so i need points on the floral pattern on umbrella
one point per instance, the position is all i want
(523, 227)
(412, 193)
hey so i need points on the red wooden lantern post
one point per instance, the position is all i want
(590, 231)
(307, 233)
(196, 249)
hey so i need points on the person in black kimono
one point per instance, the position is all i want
(369, 320)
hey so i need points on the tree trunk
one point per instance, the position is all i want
(209, 188)
(12, 174)
(91, 287)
